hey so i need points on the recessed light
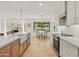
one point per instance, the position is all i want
(40, 13)
(40, 4)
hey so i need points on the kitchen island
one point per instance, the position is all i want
(11, 45)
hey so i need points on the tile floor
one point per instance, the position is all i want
(39, 48)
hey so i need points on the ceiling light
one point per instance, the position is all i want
(40, 4)
(41, 14)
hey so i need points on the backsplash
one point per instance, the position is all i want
(72, 30)
(75, 30)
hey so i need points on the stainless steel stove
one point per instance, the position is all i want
(56, 43)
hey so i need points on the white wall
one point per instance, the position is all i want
(2, 25)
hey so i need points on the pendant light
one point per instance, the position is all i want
(21, 12)
(21, 20)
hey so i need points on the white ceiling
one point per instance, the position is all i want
(31, 9)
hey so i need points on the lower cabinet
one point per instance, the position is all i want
(22, 48)
(10, 50)
(67, 49)
(5, 51)
(15, 46)
(27, 43)
(28, 39)
(24, 45)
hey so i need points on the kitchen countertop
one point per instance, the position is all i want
(5, 41)
(22, 37)
(72, 40)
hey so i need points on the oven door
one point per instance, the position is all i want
(56, 44)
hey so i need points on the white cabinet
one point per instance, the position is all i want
(61, 8)
(62, 15)
(77, 12)
(70, 12)
(67, 49)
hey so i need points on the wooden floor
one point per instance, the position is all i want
(39, 48)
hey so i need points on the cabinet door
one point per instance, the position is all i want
(27, 43)
(69, 50)
(61, 8)
(21, 49)
(16, 48)
(24, 44)
(28, 40)
(77, 11)
(5, 51)
(71, 13)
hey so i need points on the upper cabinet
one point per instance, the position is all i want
(63, 14)
(69, 14)
(72, 12)
(77, 12)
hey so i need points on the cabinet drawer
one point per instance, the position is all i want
(5, 51)
(69, 49)
(22, 48)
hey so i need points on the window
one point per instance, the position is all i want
(41, 26)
